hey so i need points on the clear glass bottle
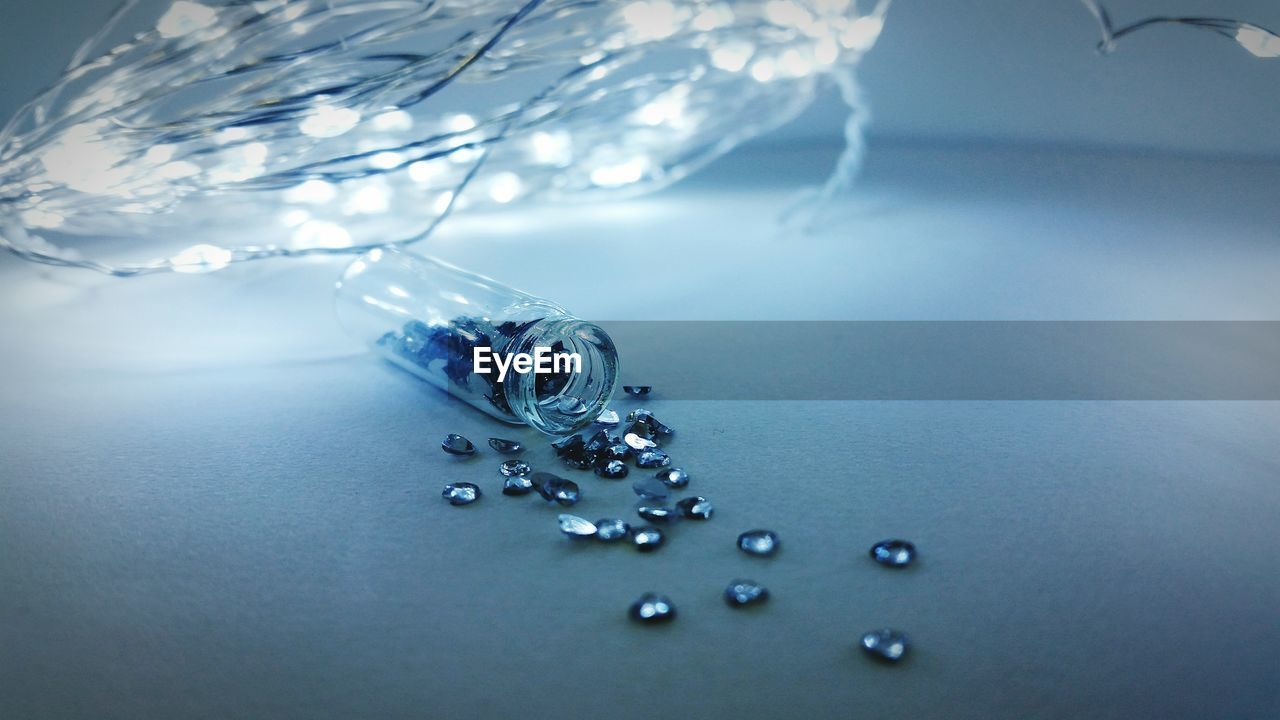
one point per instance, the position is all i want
(428, 317)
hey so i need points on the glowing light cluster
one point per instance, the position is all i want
(255, 124)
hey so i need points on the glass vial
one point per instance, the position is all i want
(429, 318)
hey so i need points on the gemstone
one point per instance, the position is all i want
(511, 468)
(894, 553)
(652, 608)
(612, 469)
(576, 527)
(638, 427)
(570, 444)
(652, 459)
(617, 450)
(741, 593)
(577, 459)
(651, 489)
(556, 489)
(647, 538)
(695, 508)
(637, 390)
(608, 418)
(656, 426)
(597, 443)
(658, 513)
(462, 493)
(517, 485)
(506, 447)
(638, 442)
(673, 477)
(758, 542)
(887, 645)
(611, 530)
(455, 444)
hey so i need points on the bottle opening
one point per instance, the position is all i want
(563, 402)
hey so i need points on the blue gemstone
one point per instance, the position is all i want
(657, 513)
(576, 527)
(555, 489)
(673, 477)
(506, 447)
(612, 469)
(651, 489)
(742, 593)
(511, 468)
(463, 493)
(887, 645)
(455, 444)
(652, 459)
(567, 445)
(652, 608)
(597, 443)
(695, 508)
(647, 538)
(893, 553)
(611, 530)
(517, 485)
(654, 425)
(608, 418)
(637, 390)
(758, 542)
(637, 442)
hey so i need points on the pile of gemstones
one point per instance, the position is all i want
(606, 450)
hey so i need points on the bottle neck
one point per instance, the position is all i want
(583, 377)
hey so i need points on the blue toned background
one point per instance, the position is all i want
(213, 504)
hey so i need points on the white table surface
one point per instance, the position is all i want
(214, 505)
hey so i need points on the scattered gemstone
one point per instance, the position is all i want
(511, 468)
(611, 530)
(578, 460)
(695, 508)
(652, 459)
(517, 485)
(887, 645)
(894, 553)
(570, 444)
(597, 443)
(652, 608)
(556, 489)
(617, 450)
(608, 418)
(576, 527)
(463, 493)
(647, 538)
(742, 593)
(637, 390)
(656, 426)
(637, 442)
(506, 447)
(673, 477)
(658, 513)
(613, 469)
(455, 444)
(651, 489)
(758, 542)
(639, 428)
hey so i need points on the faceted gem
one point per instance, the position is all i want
(654, 458)
(742, 593)
(652, 608)
(613, 470)
(656, 426)
(611, 530)
(658, 513)
(556, 489)
(758, 542)
(455, 444)
(893, 553)
(576, 527)
(511, 468)
(506, 447)
(597, 443)
(638, 427)
(638, 442)
(647, 538)
(617, 450)
(608, 418)
(673, 477)
(637, 390)
(567, 445)
(517, 485)
(577, 459)
(463, 493)
(695, 508)
(651, 489)
(887, 645)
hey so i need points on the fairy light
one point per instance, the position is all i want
(339, 146)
